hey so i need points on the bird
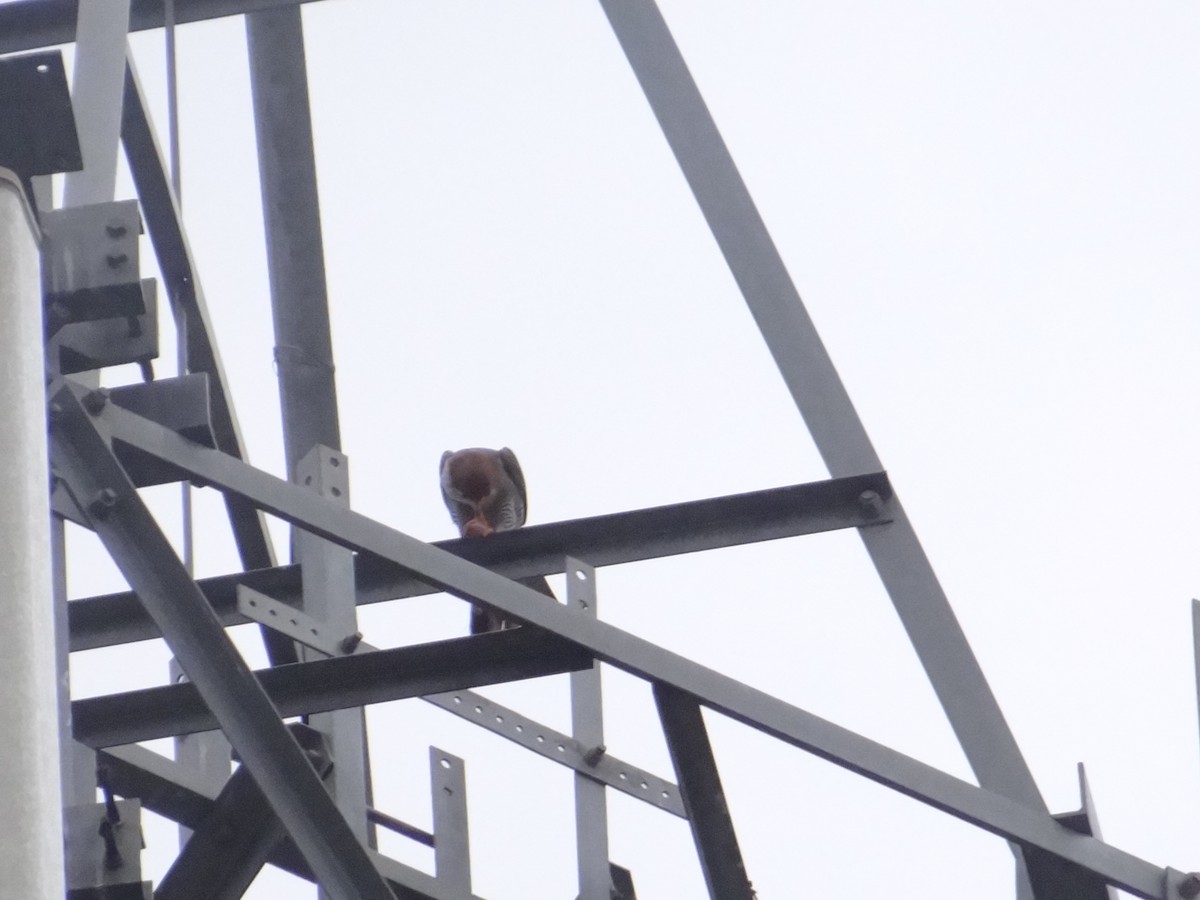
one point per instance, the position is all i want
(485, 493)
(484, 490)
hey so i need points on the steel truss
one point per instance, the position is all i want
(301, 799)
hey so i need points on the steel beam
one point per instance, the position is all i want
(96, 94)
(703, 797)
(985, 808)
(28, 24)
(818, 393)
(451, 841)
(587, 727)
(228, 850)
(496, 718)
(218, 672)
(323, 685)
(536, 550)
(164, 224)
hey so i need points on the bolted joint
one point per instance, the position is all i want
(103, 503)
(350, 642)
(594, 755)
(1189, 887)
(871, 504)
(95, 401)
(115, 229)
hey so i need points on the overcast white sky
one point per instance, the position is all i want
(991, 211)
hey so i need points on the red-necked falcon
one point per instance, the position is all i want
(485, 492)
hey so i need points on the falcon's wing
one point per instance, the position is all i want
(508, 459)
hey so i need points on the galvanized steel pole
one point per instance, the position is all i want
(31, 854)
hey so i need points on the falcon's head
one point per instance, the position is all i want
(484, 490)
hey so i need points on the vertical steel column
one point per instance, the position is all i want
(587, 727)
(96, 93)
(31, 855)
(451, 842)
(295, 254)
(327, 577)
(303, 349)
(819, 394)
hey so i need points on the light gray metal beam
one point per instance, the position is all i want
(146, 559)
(31, 856)
(451, 839)
(472, 707)
(587, 727)
(818, 393)
(96, 93)
(982, 807)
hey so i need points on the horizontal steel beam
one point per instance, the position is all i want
(27, 24)
(986, 809)
(339, 683)
(537, 550)
(176, 793)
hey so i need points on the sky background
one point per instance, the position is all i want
(991, 212)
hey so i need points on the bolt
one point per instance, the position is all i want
(102, 503)
(871, 504)
(116, 260)
(56, 411)
(1190, 886)
(350, 642)
(593, 756)
(94, 401)
(115, 230)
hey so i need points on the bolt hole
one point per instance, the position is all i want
(334, 461)
(253, 602)
(665, 795)
(541, 739)
(313, 630)
(307, 480)
(644, 786)
(581, 575)
(337, 492)
(272, 612)
(561, 748)
(43, 69)
(478, 710)
(445, 763)
(458, 699)
(520, 728)
(623, 777)
(499, 718)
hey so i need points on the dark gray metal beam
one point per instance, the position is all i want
(703, 796)
(818, 393)
(537, 550)
(164, 224)
(28, 24)
(322, 685)
(95, 479)
(989, 810)
(229, 848)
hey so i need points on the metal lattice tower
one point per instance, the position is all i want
(301, 798)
